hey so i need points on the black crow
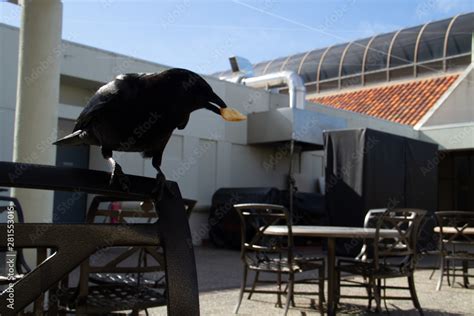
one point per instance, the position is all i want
(138, 112)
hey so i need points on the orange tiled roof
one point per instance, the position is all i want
(404, 103)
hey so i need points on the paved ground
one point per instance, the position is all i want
(219, 273)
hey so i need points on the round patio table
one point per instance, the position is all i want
(331, 233)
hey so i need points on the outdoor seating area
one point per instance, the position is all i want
(220, 271)
(274, 271)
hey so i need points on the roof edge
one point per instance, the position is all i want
(443, 98)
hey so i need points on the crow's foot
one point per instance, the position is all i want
(160, 186)
(119, 178)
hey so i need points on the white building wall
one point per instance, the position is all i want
(457, 106)
(8, 80)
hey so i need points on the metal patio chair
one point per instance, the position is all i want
(271, 254)
(390, 258)
(456, 243)
(117, 281)
(123, 281)
(370, 221)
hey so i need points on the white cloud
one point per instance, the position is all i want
(427, 7)
(446, 6)
(367, 28)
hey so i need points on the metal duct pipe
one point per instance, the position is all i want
(296, 88)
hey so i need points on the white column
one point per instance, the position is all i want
(472, 49)
(37, 100)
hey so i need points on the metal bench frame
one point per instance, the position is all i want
(76, 242)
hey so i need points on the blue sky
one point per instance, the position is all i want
(201, 35)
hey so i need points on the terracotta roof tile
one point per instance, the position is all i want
(404, 103)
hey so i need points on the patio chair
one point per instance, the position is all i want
(270, 254)
(390, 258)
(370, 221)
(115, 282)
(456, 243)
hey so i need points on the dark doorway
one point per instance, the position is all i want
(70, 207)
(456, 180)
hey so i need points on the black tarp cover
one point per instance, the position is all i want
(224, 222)
(368, 169)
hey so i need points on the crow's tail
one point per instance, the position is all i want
(76, 138)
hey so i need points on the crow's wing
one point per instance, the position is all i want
(111, 95)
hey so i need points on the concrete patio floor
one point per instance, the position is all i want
(219, 273)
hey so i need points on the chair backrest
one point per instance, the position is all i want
(131, 265)
(455, 227)
(370, 221)
(255, 245)
(405, 223)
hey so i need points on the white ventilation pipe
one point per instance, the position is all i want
(292, 80)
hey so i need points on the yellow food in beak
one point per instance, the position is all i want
(232, 115)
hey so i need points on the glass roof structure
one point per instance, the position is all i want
(433, 42)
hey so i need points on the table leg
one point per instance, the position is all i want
(331, 276)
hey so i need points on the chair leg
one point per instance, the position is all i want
(434, 270)
(370, 296)
(293, 304)
(322, 272)
(379, 290)
(337, 297)
(292, 296)
(448, 272)
(376, 292)
(242, 288)
(321, 296)
(465, 272)
(432, 274)
(255, 280)
(278, 304)
(321, 290)
(291, 281)
(414, 297)
(454, 272)
(441, 274)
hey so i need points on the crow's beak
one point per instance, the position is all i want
(218, 106)
(215, 104)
